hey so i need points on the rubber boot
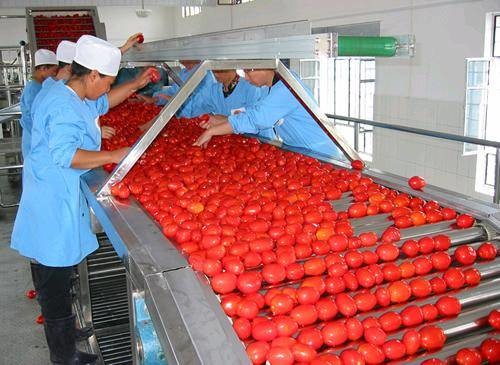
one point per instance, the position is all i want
(84, 333)
(60, 334)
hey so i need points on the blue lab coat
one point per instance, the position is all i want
(292, 124)
(52, 225)
(211, 99)
(30, 91)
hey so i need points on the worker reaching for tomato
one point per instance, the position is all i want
(52, 226)
(45, 67)
(280, 111)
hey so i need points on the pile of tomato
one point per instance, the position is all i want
(297, 283)
(50, 30)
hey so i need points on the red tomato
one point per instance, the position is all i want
(487, 251)
(307, 295)
(346, 305)
(224, 283)
(31, 294)
(410, 248)
(438, 285)
(368, 239)
(311, 337)
(40, 319)
(354, 258)
(448, 306)
(365, 278)
(383, 297)
(352, 357)
(338, 242)
(465, 255)
(283, 342)
(472, 276)
(357, 165)
(426, 244)
(281, 304)
(285, 325)
(440, 261)
(154, 74)
(280, 356)
(326, 308)
(140, 38)
(315, 266)
(494, 319)
(412, 316)
(375, 336)
(421, 288)
(357, 210)
(365, 301)
(394, 349)
(265, 330)
(354, 328)
(294, 271)
(316, 282)
(387, 252)
(391, 234)
(391, 272)
(432, 337)
(304, 314)
(490, 349)
(422, 265)
(442, 242)
(327, 359)
(334, 333)
(334, 285)
(257, 352)
(211, 267)
(243, 328)
(303, 353)
(448, 213)
(247, 309)
(454, 278)
(411, 340)
(371, 353)
(273, 273)
(390, 321)
(468, 357)
(399, 291)
(249, 282)
(417, 182)
(465, 221)
(433, 361)
(430, 312)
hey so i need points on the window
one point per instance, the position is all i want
(496, 36)
(190, 11)
(476, 100)
(344, 86)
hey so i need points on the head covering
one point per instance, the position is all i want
(66, 51)
(97, 54)
(45, 57)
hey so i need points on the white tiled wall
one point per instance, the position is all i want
(440, 162)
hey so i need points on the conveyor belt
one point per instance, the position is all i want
(109, 303)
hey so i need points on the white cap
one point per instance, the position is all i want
(45, 57)
(97, 54)
(66, 51)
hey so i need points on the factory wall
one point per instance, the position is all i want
(427, 91)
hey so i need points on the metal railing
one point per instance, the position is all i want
(435, 134)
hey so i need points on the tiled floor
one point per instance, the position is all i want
(22, 341)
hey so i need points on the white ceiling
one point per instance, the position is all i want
(34, 3)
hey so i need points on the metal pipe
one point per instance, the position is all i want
(422, 132)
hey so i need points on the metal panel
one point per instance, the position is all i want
(200, 48)
(313, 108)
(189, 321)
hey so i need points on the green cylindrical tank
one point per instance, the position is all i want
(367, 46)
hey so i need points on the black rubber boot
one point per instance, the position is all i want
(60, 334)
(84, 333)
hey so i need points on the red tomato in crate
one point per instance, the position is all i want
(417, 182)
(224, 283)
(257, 352)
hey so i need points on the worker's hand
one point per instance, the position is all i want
(130, 42)
(213, 121)
(142, 80)
(119, 154)
(203, 140)
(146, 99)
(107, 132)
(163, 96)
(146, 126)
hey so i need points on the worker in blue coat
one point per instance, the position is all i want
(231, 94)
(52, 226)
(279, 110)
(45, 67)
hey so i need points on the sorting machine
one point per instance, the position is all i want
(139, 277)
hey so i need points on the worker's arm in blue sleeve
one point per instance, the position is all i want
(102, 104)
(199, 103)
(265, 113)
(65, 135)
